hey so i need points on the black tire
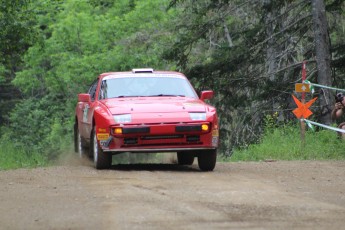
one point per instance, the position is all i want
(101, 159)
(207, 160)
(185, 158)
(75, 132)
(79, 145)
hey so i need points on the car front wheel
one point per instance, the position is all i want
(101, 159)
(207, 159)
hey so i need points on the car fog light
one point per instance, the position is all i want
(117, 130)
(204, 127)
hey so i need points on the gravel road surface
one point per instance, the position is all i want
(261, 195)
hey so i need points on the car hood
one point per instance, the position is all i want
(156, 110)
(154, 105)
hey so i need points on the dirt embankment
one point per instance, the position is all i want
(265, 195)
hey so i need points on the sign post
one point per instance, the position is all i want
(303, 101)
(302, 110)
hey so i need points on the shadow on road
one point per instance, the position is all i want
(155, 167)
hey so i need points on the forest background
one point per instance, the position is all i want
(249, 52)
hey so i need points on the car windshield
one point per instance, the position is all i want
(146, 87)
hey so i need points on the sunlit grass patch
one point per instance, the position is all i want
(12, 157)
(285, 143)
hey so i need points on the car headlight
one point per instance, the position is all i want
(197, 116)
(123, 118)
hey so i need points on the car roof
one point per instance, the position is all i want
(154, 73)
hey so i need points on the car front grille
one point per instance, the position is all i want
(193, 138)
(130, 141)
(160, 140)
(161, 137)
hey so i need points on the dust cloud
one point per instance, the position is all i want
(70, 158)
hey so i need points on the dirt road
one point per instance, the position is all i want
(265, 195)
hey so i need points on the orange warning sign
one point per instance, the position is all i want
(302, 87)
(303, 109)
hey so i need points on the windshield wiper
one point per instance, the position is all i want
(122, 96)
(157, 95)
(166, 95)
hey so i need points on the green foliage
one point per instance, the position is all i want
(284, 143)
(13, 157)
(32, 127)
(248, 52)
(2, 73)
(77, 41)
(30, 123)
(16, 35)
(271, 121)
(84, 43)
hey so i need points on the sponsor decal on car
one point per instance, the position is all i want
(215, 133)
(102, 130)
(104, 144)
(86, 109)
(215, 141)
(102, 136)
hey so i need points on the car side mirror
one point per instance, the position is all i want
(84, 97)
(207, 94)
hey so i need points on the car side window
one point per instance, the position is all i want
(103, 92)
(92, 90)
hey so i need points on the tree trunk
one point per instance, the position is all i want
(272, 49)
(323, 59)
(271, 52)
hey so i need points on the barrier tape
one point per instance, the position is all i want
(324, 86)
(309, 123)
(324, 126)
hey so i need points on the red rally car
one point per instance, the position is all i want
(146, 111)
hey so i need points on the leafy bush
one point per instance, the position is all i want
(76, 41)
(13, 157)
(40, 126)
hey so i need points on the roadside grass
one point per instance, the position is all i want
(12, 157)
(285, 143)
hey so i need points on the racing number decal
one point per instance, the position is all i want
(85, 111)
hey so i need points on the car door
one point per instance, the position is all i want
(87, 111)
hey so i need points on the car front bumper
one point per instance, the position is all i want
(161, 138)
